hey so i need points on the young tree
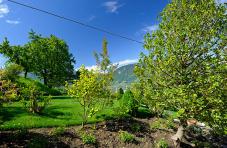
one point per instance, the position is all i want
(90, 91)
(185, 69)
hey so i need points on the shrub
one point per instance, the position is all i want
(135, 127)
(127, 105)
(88, 138)
(162, 144)
(34, 100)
(126, 137)
(161, 123)
(11, 72)
(8, 91)
(58, 131)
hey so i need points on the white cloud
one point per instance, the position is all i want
(126, 62)
(150, 28)
(112, 6)
(13, 22)
(120, 64)
(93, 67)
(91, 18)
(4, 9)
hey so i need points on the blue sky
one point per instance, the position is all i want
(130, 18)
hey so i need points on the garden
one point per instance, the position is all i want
(179, 97)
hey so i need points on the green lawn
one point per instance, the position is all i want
(63, 111)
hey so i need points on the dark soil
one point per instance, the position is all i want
(106, 133)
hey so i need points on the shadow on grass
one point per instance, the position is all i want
(8, 113)
(53, 112)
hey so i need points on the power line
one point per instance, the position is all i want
(75, 21)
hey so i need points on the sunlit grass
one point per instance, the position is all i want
(63, 111)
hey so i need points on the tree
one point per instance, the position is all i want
(185, 69)
(17, 54)
(120, 93)
(51, 58)
(90, 91)
(47, 57)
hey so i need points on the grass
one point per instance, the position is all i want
(41, 87)
(63, 111)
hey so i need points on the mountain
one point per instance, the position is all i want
(124, 76)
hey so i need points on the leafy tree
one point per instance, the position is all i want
(185, 69)
(104, 65)
(17, 54)
(90, 91)
(47, 57)
(51, 58)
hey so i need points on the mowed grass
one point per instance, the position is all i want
(62, 111)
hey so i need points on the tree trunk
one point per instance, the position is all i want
(25, 73)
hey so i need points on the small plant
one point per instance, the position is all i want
(88, 138)
(162, 124)
(58, 131)
(126, 137)
(135, 127)
(161, 144)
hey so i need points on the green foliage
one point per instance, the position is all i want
(34, 100)
(11, 72)
(161, 123)
(135, 127)
(58, 131)
(90, 91)
(88, 138)
(124, 136)
(26, 82)
(185, 68)
(8, 91)
(47, 57)
(127, 104)
(161, 144)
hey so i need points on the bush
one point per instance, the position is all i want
(58, 131)
(162, 144)
(161, 123)
(88, 138)
(135, 127)
(11, 72)
(34, 100)
(127, 105)
(126, 137)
